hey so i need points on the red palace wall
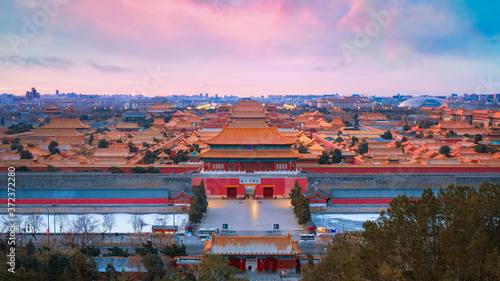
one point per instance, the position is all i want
(93, 201)
(126, 170)
(218, 186)
(345, 169)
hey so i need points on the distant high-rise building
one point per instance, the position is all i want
(32, 95)
(57, 92)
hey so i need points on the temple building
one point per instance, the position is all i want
(250, 150)
(249, 161)
(248, 158)
(58, 127)
(269, 254)
(160, 109)
(249, 111)
(52, 111)
(223, 110)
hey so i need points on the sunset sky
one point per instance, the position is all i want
(250, 47)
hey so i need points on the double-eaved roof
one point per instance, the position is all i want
(251, 245)
(246, 136)
(250, 154)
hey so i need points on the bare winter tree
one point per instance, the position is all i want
(35, 221)
(16, 220)
(62, 221)
(85, 226)
(162, 220)
(137, 223)
(108, 222)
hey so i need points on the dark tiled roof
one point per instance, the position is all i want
(248, 245)
(313, 190)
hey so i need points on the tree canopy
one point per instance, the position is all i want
(300, 204)
(451, 235)
(199, 203)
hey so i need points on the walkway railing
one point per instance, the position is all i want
(274, 173)
(261, 233)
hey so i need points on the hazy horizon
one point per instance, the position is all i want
(250, 48)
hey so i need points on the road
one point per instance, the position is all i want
(195, 249)
(250, 215)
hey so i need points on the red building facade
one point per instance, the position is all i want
(255, 185)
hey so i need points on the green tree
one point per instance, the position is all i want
(448, 236)
(123, 276)
(343, 260)
(101, 130)
(337, 156)
(354, 140)
(339, 139)
(115, 170)
(296, 191)
(426, 124)
(149, 157)
(481, 148)
(216, 268)
(387, 135)
(154, 267)
(138, 170)
(18, 128)
(22, 169)
(117, 252)
(302, 149)
(84, 268)
(132, 148)
(15, 143)
(199, 203)
(103, 143)
(111, 273)
(174, 250)
(25, 154)
(53, 148)
(146, 248)
(91, 139)
(180, 157)
(90, 251)
(324, 158)
(153, 170)
(478, 138)
(302, 210)
(406, 127)
(445, 150)
(300, 204)
(363, 148)
(51, 168)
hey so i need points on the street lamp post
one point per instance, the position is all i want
(25, 229)
(48, 224)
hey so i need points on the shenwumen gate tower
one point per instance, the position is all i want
(249, 157)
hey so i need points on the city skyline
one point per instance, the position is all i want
(249, 48)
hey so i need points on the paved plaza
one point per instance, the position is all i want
(250, 215)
